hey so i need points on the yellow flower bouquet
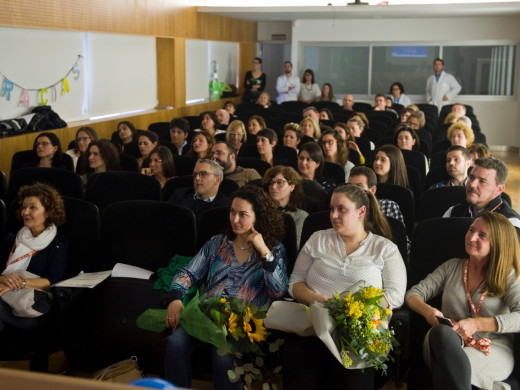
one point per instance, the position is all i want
(235, 327)
(361, 327)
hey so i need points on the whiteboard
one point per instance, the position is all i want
(117, 73)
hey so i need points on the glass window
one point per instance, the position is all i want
(346, 68)
(409, 65)
(482, 70)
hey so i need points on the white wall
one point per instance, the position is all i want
(499, 117)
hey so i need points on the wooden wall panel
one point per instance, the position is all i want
(160, 18)
(165, 48)
(247, 53)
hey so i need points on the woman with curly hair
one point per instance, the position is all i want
(335, 150)
(248, 262)
(285, 187)
(37, 256)
(461, 134)
(390, 167)
(102, 157)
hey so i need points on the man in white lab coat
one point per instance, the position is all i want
(441, 87)
(287, 85)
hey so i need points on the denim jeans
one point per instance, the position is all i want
(179, 350)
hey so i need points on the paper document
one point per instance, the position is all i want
(85, 280)
(129, 271)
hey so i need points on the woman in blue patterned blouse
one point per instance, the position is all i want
(248, 262)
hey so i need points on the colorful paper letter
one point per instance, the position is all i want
(25, 98)
(65, 86)
(8, 87)
(75, 70)
(43, 102)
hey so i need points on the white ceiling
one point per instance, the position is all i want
(283, 13)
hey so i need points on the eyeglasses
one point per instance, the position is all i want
(278, 183)
(82, 139)
(202, 174)
(329, 142)
(42, 143)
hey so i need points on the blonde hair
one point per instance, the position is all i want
(317, 130)
(451, 117)
(236, 124)
(468, 133)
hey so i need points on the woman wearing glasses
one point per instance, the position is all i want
(84, 136)
(284, 185)
(335, 150)
(46, 152)
(160, 165)
(247, 262)
(236, 134)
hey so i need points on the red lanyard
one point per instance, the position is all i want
(19, 258)
(483, 343)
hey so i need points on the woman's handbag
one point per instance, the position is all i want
(28, 302)
(125, 371)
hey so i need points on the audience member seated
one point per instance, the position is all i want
(223, 117)
(179, 130)
(380, 104)
(264, 100)
(292, 135)
(326, 114)
(310, 128)
(405, 114)
(416, 120)
(480, 296)
(348, 102)
(461, 134)
(201, 145)
(466, 120)
(210, 123)
(147, 141)
(248, 262)
(236, 134)
(284, 185)
(346, 134)
(327, 94)
(459, 109)
(266, 140)
(398, 96)
(46, 152)
(226, 156)
(477, 150)
(451, 118)
(356, 126)
(457, 163)
(160, 165)
(310, 166)
(309, 90)
(406, 138)
(205, 193)
(37, 249)
(229, 106)
(127, 138)
(102, 157)
(84, 136)
(255, 123)
(335, 150)
(486, 182)
(361, 234)
(389, 166)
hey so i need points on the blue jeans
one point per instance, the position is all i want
(179, 350)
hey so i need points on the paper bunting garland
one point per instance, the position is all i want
(9, 85)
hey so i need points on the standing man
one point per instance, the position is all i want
(441, 87)
(287, 85)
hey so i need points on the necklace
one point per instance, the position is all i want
(307, 88)
(241, 247)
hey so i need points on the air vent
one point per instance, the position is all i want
(278, 37)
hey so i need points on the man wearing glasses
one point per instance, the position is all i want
(207, 176)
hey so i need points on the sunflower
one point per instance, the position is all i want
(233, 324)
(254, 327)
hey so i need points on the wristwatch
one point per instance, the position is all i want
(268, 257)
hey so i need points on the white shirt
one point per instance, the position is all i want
(325, 267)
(309, 93)
(436, 90)
(282, 87)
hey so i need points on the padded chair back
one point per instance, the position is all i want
(414, 178)
(129, 163)
(162, 129)
(333, 106)
(319, 198)
(3, 219)
(145, 233)
(321, 221)
(184, 165)
(3, 186)
(258, 165)
(404, 197)
(363, 107)
(438, 159)
(109, 187)
(436, 175)
(285, 153)
(435, 202)
(26, 156)
(335, 172)
(417, 160)
(66, 182)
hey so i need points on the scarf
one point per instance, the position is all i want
(25, 246)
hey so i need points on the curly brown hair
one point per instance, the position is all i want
(269, 221)
(50, 199)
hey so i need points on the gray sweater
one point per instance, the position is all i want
(447, 280)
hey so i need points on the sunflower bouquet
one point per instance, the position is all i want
(234, 327)
(361, 327)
